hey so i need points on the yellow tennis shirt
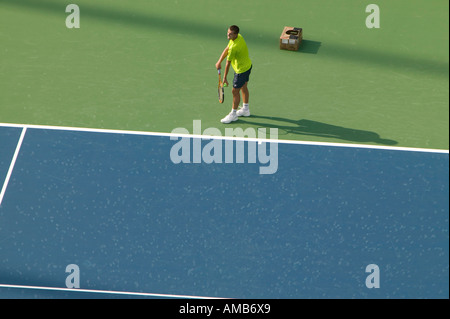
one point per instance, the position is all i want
(238, 55)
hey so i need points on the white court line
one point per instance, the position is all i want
(144, 133)
(11, 166)
(144, 294)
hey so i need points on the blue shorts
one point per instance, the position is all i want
(241, 78)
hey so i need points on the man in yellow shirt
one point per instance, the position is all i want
(237, 56)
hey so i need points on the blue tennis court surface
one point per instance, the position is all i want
(117, 206)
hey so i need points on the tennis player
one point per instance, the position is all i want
(237, 56)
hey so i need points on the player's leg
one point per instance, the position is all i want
(245, 93)
(232, 116)
(235, 91)
(240, 83)
(245, 111)
(236, 97)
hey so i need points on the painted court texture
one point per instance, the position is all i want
(362, 178)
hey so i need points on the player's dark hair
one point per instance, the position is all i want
(235, 29)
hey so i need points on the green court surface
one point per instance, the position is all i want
(149, 66)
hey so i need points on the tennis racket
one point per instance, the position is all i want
(220, 90)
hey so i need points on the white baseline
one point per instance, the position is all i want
(144, 133)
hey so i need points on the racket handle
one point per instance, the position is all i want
(218, 71)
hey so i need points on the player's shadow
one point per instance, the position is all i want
(314, 128)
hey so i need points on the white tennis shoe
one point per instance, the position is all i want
(230, 118)
(243, 112)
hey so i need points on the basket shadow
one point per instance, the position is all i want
(309, 46)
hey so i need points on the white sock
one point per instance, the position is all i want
(245, 106)
(233, 111)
